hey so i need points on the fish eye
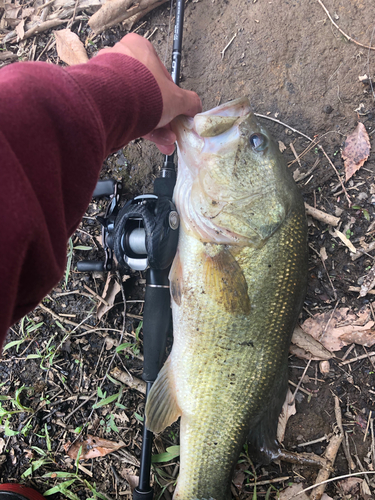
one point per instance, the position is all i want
(258, 141)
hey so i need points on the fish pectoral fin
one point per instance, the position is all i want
(175, 279)
(225, 282)
(161, 407)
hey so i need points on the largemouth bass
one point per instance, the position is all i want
(237, 283)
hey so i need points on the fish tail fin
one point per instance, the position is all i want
(262, 440)
(161, 407)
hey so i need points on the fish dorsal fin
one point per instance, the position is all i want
(224, 280)
(161, 407)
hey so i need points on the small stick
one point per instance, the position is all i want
(295, 154)
(350, 39)
(367, 426)
(153, 33)
(300, 382)
(314, 441)
(228, 44)
(357, 358)
(270, 481)
(96, 295)
(131, 381)
(358, 289)
(301, 389)
(139, 27)
(330, 455)
(362, 251)
(63, 320)
(321, 216)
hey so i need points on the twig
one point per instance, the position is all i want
(321, 216)
(357, 358)
(96, 295)
(362, 251)
(309, 393)
(270, 481)
(64, 320)
(130, 381)
(80, 406)
(330, 454)
(227, 46)
(367, 426)
(326, 270)
(300, 382)
(358, 289)
(330, 481)
(296, 156)
(314, 441)
(349, 38)
(70, 23)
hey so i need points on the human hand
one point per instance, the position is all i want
(176, 101)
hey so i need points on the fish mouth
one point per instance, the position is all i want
(193, 133)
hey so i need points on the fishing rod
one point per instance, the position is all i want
(143, 236)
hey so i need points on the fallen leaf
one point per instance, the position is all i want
(239, 475)
(341, 328)
(338, 234)
(20, 29)
(92, 447)
(293, 491)
(305, 346)
(69, 47)
(111, 289)
(356, 150)
(288, 409)
(349, 485)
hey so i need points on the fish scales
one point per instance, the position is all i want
(235, 303)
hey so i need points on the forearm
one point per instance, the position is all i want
(56, 128)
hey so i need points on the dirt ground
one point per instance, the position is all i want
(295, 66)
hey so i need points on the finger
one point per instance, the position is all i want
(192, 103)
(166, 150)
(162, 137)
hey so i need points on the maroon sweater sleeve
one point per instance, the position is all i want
(56, 128)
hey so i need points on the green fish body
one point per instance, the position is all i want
(237, 283)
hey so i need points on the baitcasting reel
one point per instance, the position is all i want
(142, 234)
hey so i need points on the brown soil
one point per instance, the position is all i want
(294, 65)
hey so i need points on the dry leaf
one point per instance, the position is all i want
(293, 491)
(342, 328)
(338, 234)
(239, 475)
(288, 409)
(307, 346)
(69, 47)
(20, 29)
(349, 485)
(92, 447)
(282, 146)
(356, 150)
(111, 289)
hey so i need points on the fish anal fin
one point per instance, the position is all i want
(225, 282)
(161, 406)
(175, 279)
